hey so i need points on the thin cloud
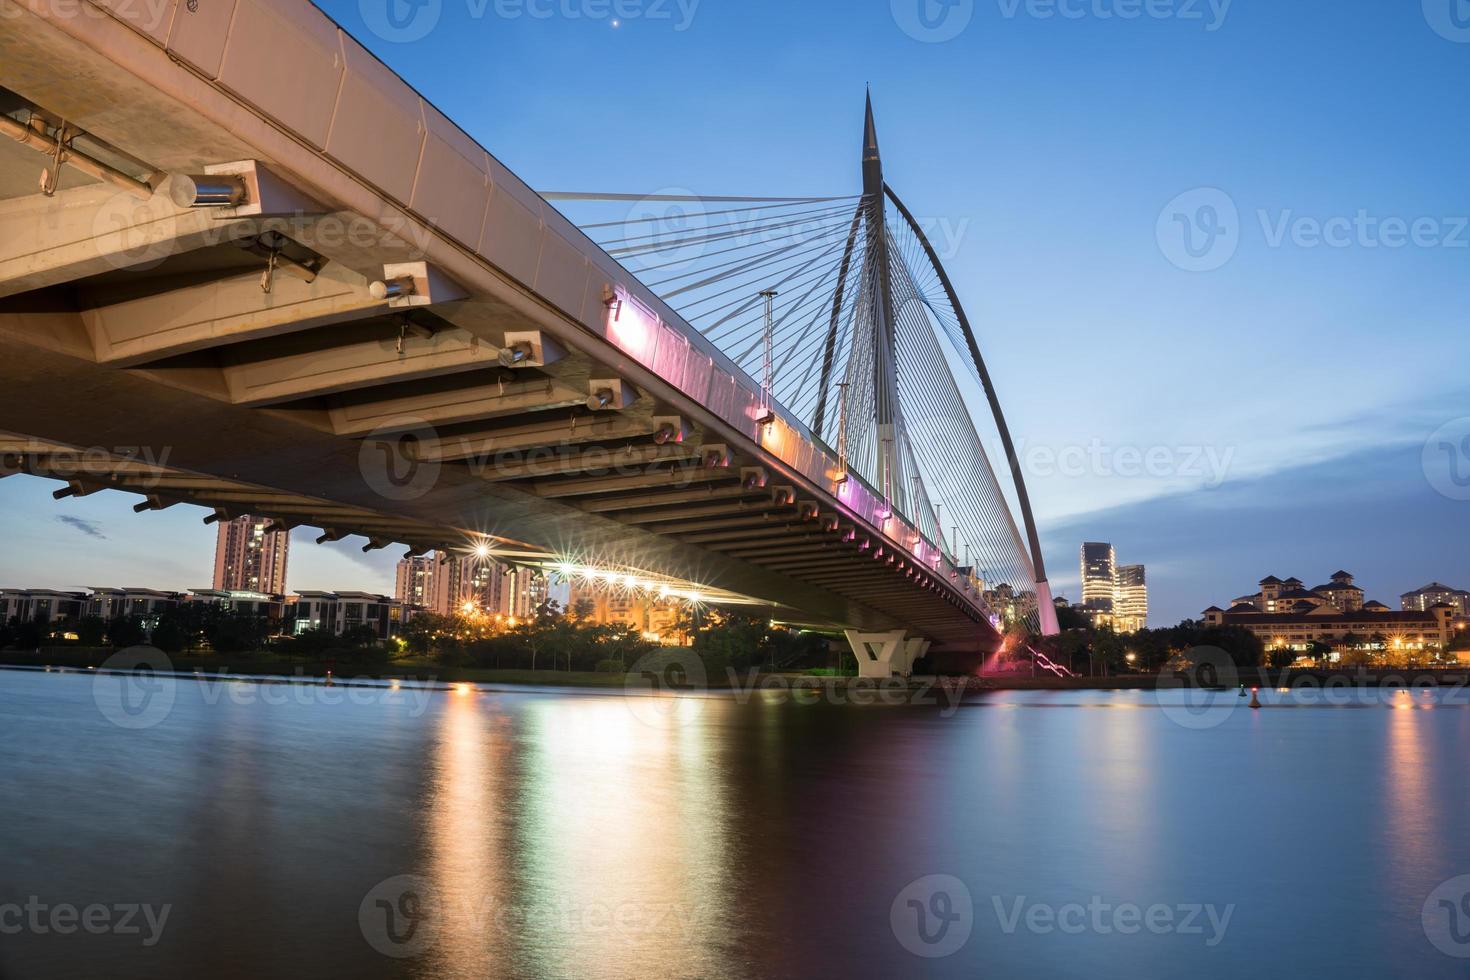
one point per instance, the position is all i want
(89, 528)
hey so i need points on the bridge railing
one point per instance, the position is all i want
(722, 388)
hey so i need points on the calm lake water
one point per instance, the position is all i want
(576, 834)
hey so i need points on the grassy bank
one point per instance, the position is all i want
(266, 664)
(269, 665)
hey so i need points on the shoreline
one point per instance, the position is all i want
(433, 676)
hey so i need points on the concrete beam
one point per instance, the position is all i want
(359, 414)
(747, 551)
(756, 533)
(574, 430)
(87, 231)
(656, 499)
(677, 478)
(371, 357)
(226, 311)
(612, 462)
(733, 509)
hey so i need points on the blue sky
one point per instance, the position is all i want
(1071, 153)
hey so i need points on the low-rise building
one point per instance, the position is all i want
(1341, 592)
(338, 612)
(145, 605)
(1305, 624)
(43, 604)
(260, 604)
(1286, 595)
(1435, 593)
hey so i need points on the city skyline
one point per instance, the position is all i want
(100, 538)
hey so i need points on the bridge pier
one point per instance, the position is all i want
(885, 654)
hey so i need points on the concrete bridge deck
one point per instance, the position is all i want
(526, 388)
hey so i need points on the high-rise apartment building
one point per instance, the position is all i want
(1112, 594)
(467, 580)
(414, 583)
(1130, 602)
(249, 557)
(447, 584)
(1099, 573)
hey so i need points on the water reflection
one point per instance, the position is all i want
(621, 829)
(465, 847)
(1411, 832)
(577, 835)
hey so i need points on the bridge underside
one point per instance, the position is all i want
(489, 404)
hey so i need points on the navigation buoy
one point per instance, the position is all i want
(1242, 689)
(1255, 698)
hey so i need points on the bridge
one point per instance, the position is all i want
(244, 265)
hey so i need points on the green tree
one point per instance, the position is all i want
(1282, 657)
(91, 630)
(29, 634)
(169, 635)
(124, 631)
(309, 643)
(421, 633)
(230, 631)
(357, 637)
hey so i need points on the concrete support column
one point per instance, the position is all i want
(913, 649)
(885, 654)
